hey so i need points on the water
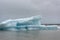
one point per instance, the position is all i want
(30, 35)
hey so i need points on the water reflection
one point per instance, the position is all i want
(30, 35)
(19, 35)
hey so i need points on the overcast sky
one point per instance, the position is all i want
(48, 9)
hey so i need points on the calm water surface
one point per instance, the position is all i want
(30, 35)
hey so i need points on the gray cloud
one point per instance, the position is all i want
(49, 9)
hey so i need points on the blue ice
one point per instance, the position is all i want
(30, 23)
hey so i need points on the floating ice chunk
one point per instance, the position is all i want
(30, 23)
(20, 23)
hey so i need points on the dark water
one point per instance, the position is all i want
(30, 35)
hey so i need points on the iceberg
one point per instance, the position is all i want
(20, 23)
(30, 23)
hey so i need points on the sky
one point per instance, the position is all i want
(48, 9)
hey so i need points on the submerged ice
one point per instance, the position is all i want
(31, 23)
